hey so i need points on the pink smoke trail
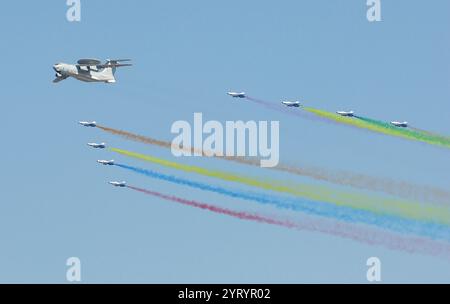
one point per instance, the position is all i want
(238, 214)
(344, 230)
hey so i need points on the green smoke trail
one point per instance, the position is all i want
(381, 127)
(412, 133)
(429, 133)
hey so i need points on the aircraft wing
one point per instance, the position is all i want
(113, 65)
(58, 79)
(117, 60)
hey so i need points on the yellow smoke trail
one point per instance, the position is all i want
(380, 127)
(402, 208)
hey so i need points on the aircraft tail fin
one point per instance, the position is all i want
(116, 63)
(113, 64)
(110, 67)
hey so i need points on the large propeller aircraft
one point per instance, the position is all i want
(89, 70)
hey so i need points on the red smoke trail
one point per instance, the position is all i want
(238, 214)
(135, 137)
(166, 144)
(354, 232)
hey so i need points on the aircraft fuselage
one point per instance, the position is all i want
(84, 73)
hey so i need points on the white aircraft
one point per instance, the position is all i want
(237, 95)
(97, 146)
(346, 113)
(399, 124)
(88, 124)
(89, 70)
(106, 162)
(295, 104)
(118, 184)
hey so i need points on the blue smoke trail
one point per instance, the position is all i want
(428, 229)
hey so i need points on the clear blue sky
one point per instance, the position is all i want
(55, 202)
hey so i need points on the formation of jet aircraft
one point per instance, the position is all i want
(102, 146)
(93, 70)
(296, 104)
(400, 124)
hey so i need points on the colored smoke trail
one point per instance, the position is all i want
(280, 108)
(361, 181)
(400, 208)
(312, 208)
(421, 136)
(135, 137)
(379, 127)
(389, 186)
(238, 214)
(295, 112)
(356, 233)
(266, 104)
(418, 134)
(166, 144)
(429, 133)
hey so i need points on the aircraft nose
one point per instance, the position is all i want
(57, 67)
